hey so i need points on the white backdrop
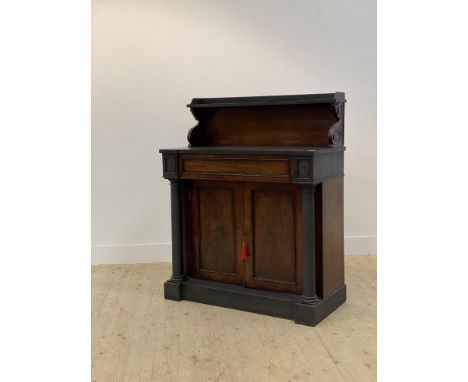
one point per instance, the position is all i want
(150, 57)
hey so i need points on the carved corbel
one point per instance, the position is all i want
(196, 136)
(336, 132)
(192, 135)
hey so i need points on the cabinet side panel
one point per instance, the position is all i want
(332, 235)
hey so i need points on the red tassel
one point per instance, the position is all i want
(244, 250)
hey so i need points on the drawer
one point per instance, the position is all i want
(234, 167)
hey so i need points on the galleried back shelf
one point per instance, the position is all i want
(257, 206)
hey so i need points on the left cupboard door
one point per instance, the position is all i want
(217, 228)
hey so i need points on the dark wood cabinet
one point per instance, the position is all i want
(257, 206)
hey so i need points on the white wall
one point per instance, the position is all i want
(150, 57)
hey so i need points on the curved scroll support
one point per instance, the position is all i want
(194, 135)
(197, 135)
(336, 132)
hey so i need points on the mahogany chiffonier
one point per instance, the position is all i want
(257, 206)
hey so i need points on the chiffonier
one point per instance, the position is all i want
(257, 206)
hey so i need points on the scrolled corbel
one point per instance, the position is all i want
(336, 132)
(194, 135)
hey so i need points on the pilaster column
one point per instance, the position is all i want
(309, 290)
(176, 226)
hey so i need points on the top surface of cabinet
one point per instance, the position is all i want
(255, 150)
(308, 120)
(268, 100)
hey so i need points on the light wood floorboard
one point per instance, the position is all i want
(139, 336)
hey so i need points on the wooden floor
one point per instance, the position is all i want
(139, 336)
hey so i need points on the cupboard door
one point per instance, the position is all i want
(272, 228)
(217, 231)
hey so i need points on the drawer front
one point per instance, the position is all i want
(235, 167)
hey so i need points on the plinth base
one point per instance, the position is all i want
(274, 304)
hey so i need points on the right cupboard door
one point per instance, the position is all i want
(272, 232)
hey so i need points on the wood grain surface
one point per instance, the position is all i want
(217, 231)
(271, 220)
(139, 336)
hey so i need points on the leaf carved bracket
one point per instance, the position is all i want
(336, 132)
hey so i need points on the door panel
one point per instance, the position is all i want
(217, 231)
(272, 231)
(272, 242)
